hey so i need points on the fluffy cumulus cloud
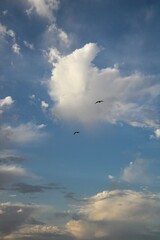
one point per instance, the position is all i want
(44, 105)
(44, 8)
(5, 102)
(157, 133)
(118, 214)
(76, 84)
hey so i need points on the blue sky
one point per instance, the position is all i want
(58, 58)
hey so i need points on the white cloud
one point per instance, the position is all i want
(111, 178)
(157, 133)
(54, 37)
(76, 83)
(16, 48)
(41, 126)
(7, 101)
(119, 214)
(44, 105)
(28, 45)
(4, 31)
(44, 8)
(53, 56)
(63, 37)
(136, 172)
(33, 96)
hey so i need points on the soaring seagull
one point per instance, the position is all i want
(100, 101)
(76, 132)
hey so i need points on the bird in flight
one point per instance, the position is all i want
(76, 132)
(100, 101)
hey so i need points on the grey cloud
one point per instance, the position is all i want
(39, 232)
(11, 173)
(29, 188)
(11, 218)
(44, 236)
(72, 196)
(55, 186)
(69, 215)
(11, 159)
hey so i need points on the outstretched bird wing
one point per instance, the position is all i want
(76, 132)
(99, 101)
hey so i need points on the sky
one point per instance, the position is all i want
(79, 120)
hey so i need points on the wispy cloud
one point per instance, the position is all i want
(30, 188)
(23, 133)
(11, 159)
(43, 8)
(136, 172)
(55, 39)
(111, 178)
(28, 45)
(4, 32)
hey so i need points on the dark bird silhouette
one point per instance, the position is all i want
(100, 101)
(76, 132)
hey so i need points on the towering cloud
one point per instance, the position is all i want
(116, 215)
(76, 83)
